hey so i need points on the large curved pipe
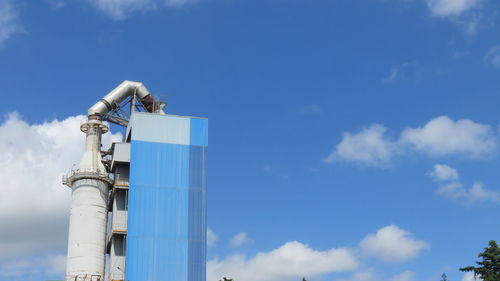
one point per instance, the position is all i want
(120, 93)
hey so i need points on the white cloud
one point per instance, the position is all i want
(469, 276)
(119, 9)
(293, 260)
(369, 147)
(405, 276)
(34, 206)
(455, 190)
(369, 274)
(9, 22)
(476, 193)
(392, 75)
(364, 275)
(444, 173)
(32, 268)
(211, 238)
(240, 239)
(467, 14)
(493, 56)
(392, 244)
(441, 136)
(451, 8)
(399, 71)
(470, 23)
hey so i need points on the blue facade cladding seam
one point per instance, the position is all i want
(166, 238)
(197, 218)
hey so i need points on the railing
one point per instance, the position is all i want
(82, 172)
(121, 182)
(86, 277)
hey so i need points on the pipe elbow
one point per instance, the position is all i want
(116, 96)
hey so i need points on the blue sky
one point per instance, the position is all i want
(349, 140)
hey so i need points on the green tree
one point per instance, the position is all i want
(444, 277)
(488, 268)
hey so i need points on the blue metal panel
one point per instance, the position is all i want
(167, 211)
(160, 128)
(199, 132)
(157, 240)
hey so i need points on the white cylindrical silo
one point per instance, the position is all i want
(89, 210)
(87, 229)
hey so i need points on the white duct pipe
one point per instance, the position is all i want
(115, 97)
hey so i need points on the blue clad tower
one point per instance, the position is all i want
(166, 239)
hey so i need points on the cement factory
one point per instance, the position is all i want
(138, 210)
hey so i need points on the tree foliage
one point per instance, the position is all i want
(488, 268)
(444, 277)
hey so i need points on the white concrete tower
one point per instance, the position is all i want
(87, 227)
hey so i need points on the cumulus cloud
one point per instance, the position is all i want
(444, 173)
(441, 136)
(492, 57)
(476, 193)
(369, 147)
(9, 21)
(240, 239)
(392, 244)
(465, 13)
(453, 189)
(211, 238)
(34, 206)
(447, 8)
(293, 260)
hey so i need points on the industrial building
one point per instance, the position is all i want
(138, 210)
